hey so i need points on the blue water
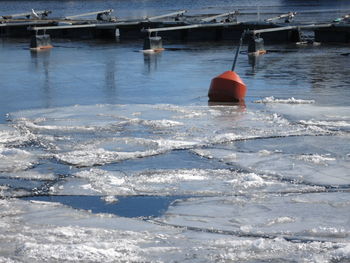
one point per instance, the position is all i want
(134, 206)
(90, 72)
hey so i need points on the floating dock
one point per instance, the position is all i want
(175, 26)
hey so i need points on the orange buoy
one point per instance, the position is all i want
(227, 87)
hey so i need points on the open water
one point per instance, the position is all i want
(108, 154)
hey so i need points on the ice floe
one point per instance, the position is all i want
(12, 159)
(287, 101)
(41, 231)
(268, 182)
(270, 215)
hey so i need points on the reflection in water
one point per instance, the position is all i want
(329, 71)
(110, 79)
(254, 61)
(240, 105)
(151, 61)
(230, 112)
(41, 59)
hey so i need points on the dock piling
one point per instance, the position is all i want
(255, 45)
(39, 42)
(153, 43)
(117, 33)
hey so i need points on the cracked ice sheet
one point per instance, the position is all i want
(50, 232)
(100, 134)
(311, 115)
(12, 159)
(311, 160)
(172, 182)
(10, 136)
(313, 216)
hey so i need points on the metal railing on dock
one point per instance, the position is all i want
(152, 30)
(194, 28)
(89, 14)
(152, 18)
(275, 29)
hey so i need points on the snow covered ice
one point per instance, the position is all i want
(250, 185)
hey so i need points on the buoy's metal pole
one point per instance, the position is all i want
(237, 51)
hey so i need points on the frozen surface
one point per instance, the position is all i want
(110, 155)
(50, 232)
(287, 101)
(119, 132)
(269, 183)
(307, 216)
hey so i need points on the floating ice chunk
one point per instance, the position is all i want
(329, 123)
(3, 190)
(276, 118)
(10, 136)
(226, 137)
(103, 182)
(166, 182)
(342, 253)
(110, 199)
(12, 159)
(320, 169)
(273, 215)
(156, 124)
(332, 232)
(227, 156)
(195, 181)
(182, 112)
(281, 220)
(203, 153)
(46, 232)
(175, 176)
(249, 181)
(9, 192)
(317, 169)
(316, 158)
(313, 114)
(272, 250)
(32, 175)
(44, 203)
(39, 126)
(265, 152)
(288, 101)
(92, 157)
(88, 155)
(93, 135)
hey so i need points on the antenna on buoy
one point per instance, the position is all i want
(228, 87)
